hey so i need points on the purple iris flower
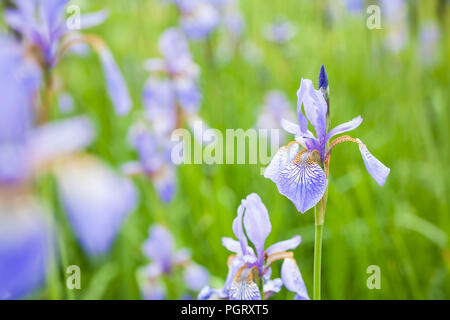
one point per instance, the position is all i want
(25, 245)
(179, 86)
(198, 18)
(154, 160)
(395, 13)
(43, 32)
(276, 107)
(280, 31)
(299, 175)
(160, 249)
(250, 270)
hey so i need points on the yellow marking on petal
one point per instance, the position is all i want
(298, 158)
(278, 256)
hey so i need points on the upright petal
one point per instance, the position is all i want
(238, 229)
(117, 88)
(376, 169)
(315, 107)
(292, 279)
(303, 182)
(284, 245)
(344, 127)
(96, 200)
(257, 224)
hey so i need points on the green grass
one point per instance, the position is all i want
(402, 227)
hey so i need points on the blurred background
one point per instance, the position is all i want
(397, 78)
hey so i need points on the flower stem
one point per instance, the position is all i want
(319, 211)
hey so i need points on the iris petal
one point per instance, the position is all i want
(303, 182)
(345, 127)
(281, 159)
(243, 286)
(284, 245)
(376, 169)
(292, 279)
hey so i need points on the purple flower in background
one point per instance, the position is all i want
(429, 37)
(250, 267)
(25, 246)
(276, 107)
(299, 175)
(198, 18)
(179, 84)
(96, 200)
(154, 160)
(395, 14)
(160, 249)
(280, 31)
(44, 33)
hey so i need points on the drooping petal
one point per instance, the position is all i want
(243, 286)
(281, 159)
(59, 138)
(376, 169)
(303, 182)
(234, 264)
(188, 93)
(257, 223)
(117, 88)
(292, 279)
(96, 201)
(344, 127)
(25, 247)
(196, 277)
(150, 285)
(159, 246)
(284, 245)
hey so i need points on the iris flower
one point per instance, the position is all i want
(300, 176)
(160, 249)
(249, 275)
(45, 37)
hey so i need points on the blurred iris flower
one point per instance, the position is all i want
(280, 31)
(300, 176)
(395, 13)
(154, 154)
(276, 107)
(45, 37)
(249, 275)
(165, 260)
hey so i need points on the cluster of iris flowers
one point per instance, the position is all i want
(97, 198)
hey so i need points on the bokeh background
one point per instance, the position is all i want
(402, 94)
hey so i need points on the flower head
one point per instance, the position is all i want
(160, 249)
(45, 37)
(300, 176)
(250, 266)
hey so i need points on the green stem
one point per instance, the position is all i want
(319, 211)
(317, 261)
